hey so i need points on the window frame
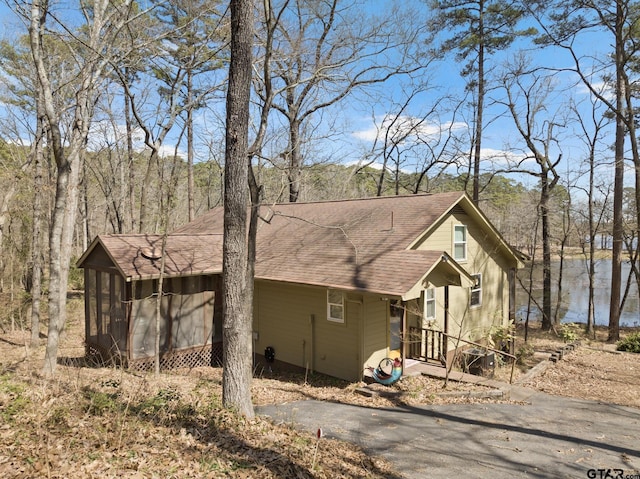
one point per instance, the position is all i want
(464, 243)
(477, 289)
(331, 303)
(427, 301)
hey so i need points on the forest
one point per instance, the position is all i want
(113, 121)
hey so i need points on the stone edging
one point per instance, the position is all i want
(556, 356)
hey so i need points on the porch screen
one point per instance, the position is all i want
(186, 315)
(118, 317)
(104, 322)
(143, 312)
(191, 312)
(92, 305)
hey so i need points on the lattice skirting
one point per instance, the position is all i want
(189, 358)
(207, 355)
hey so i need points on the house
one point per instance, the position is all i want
(339, 285)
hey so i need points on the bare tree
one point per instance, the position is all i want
(412, 150)
(91, 47)
(527, 98)
(321, 53)
(591, 126)
(619, 19)
(20, 86)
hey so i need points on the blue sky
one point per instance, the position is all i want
(360, 119)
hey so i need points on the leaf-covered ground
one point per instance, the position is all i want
(104, 422)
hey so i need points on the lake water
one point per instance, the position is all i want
(575, 294)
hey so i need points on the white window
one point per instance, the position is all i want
(430, 303)
(460, 242)
(335, 306)
(476, 290)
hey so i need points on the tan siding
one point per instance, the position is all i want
(337, 346)
(338, 350)
(283, 321)
(375, 330)
(482, 257)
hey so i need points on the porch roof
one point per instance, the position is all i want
(138, 256)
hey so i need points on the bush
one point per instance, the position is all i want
(523, 353)
(569, 332)
(630, 343)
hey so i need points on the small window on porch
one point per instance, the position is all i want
(335, 306)
(460, 242)
(476, 290)
(430, 304)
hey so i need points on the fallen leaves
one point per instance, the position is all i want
(107, 423)
(87, 424)
(595, 374)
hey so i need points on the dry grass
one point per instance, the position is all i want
(594, 370)
(105, 422)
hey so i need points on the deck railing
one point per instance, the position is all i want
(429, 344)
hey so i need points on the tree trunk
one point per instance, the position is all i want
(4, 217)
(131, 223)
(480, 108)
(36, 240)
(591, 258)
(618, 185)
(237, 305)
(143, 223)
(190, 182)
(546, 254)
(295, 162)
(635, 153)
(63, 221)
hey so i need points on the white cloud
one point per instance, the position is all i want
(505, 157)
(405, 129)
(103, 135)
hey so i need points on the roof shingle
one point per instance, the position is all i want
(350, 244)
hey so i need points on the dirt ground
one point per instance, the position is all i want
(594, 370)
(106, 422)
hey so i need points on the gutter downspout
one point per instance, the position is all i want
(311, 362)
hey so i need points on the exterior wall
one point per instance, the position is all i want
(375, 331)
(293, 320)
(483, 257)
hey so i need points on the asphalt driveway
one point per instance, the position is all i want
(549, 437)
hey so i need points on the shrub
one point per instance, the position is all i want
(630, 343)
(569, 332)
(100, 403)
(523, 353)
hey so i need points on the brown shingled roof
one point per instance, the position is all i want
(137, 256)
(351, 244)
